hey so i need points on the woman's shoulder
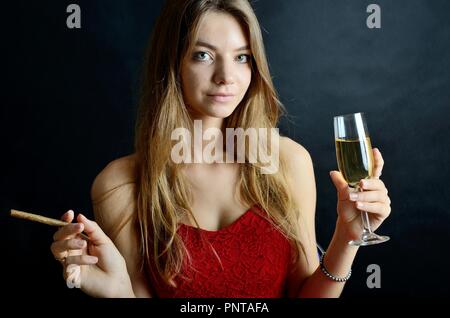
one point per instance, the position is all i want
(113, 193)
(300, 172)
(293, 152)
(115, 174)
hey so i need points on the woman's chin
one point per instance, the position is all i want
(220, 111)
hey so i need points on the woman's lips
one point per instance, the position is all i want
(221, 98)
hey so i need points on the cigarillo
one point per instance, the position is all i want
(40, 219)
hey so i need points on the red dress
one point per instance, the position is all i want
(254, 259)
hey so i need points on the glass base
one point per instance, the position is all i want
(369, 239)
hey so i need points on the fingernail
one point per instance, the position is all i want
(353, 196)
(359, 204)
(81, 243)
(363, 184)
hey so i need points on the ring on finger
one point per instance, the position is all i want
(61, 260)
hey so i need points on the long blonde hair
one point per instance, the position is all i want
(163, 195)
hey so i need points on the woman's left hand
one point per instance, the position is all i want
(374, 200)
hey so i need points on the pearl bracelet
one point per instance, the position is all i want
(332, 277)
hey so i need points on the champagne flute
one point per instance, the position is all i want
(355, 161)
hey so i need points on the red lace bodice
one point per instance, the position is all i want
(255, 260)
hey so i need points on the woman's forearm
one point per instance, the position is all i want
(338, 261)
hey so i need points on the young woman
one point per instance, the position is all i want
(167, 229)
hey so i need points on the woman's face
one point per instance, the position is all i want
(216, 74)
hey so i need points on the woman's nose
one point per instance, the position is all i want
(224, 73)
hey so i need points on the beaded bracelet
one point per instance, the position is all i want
(336, 279)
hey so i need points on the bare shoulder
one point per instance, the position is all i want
(112, 192)
(116, 173)
(300, 173)
(294, 154)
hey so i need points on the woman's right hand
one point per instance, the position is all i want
(96, 263)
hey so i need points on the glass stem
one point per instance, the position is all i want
(365, 219)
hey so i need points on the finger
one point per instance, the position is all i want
(85, 238)
(369, 196)
(93, 230)
(372, 184)
(340, 184)
(378, 208)
(68, 216)
(378, 163)
(69, 231)
(81, 260)
(60, 248)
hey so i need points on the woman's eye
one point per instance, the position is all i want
(243, 58)
(202, 56)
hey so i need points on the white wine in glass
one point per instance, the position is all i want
(355, 161)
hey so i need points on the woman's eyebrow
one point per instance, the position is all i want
(212, 47)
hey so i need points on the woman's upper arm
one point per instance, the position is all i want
(113, 201)
(303, 188)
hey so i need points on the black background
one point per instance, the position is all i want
(69, 102)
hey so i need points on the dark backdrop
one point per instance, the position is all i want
(69, 101)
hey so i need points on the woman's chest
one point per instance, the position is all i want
(216, 197)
